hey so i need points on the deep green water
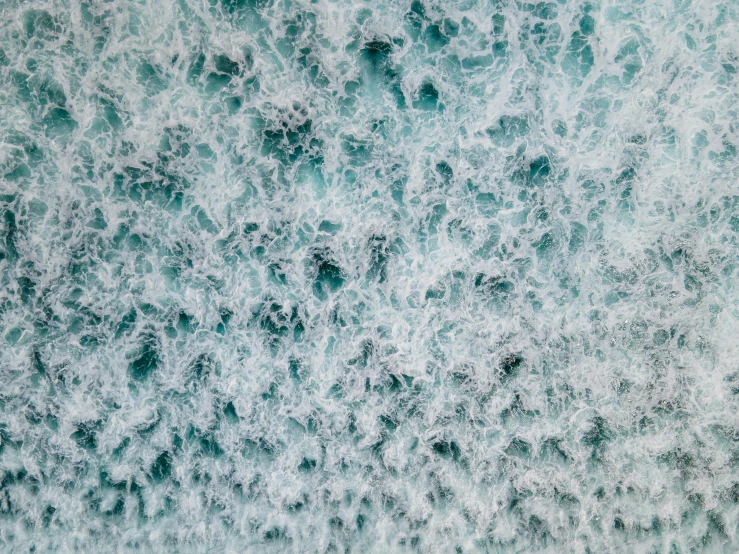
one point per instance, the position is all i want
(345, 276)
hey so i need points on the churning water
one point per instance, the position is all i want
(369, 276)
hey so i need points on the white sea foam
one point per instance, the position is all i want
(335, 276)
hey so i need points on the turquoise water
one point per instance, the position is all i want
(346, 276)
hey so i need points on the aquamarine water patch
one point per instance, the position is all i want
(347, 276)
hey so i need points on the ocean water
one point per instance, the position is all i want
(435, 276)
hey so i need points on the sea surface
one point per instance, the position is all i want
(347, 276)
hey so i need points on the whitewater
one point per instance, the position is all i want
(347, 276)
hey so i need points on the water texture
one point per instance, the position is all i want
(345, 276)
